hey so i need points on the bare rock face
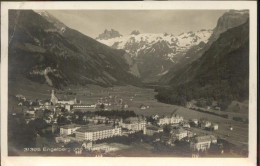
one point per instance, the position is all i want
(135, 32)
(230, 19)
(108, 34)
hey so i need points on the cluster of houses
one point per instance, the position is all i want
(194, 105)
(100, 127)
(179, 131)
(112, 101)
(204, 124)
(144, 107)
(175, 119)
(93, 132)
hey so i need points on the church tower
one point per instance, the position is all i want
(54, 99)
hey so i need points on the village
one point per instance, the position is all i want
(96, 129)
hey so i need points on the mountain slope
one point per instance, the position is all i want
(222, 73)
(228, 20)
(44, 50)
(154, 54)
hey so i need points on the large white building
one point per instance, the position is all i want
(68, 129)
(170, 120)
(97, 132)
(87, 106)
(133, 123)
(202, 143)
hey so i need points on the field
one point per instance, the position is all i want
(134, 97)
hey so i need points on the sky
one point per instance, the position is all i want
(94, 22)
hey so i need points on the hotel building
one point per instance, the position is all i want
(97, 132)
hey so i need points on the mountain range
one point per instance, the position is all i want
(44, 50)
(155, 54)
(156, 57)
(211, 64)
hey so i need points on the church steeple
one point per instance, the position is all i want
(54, 99)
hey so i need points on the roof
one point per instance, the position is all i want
(206, 121)
(153, 128)
(179, 131)
(205, 138)
(93, 128)
(176, 116)
(70, 126)
(194, 119)
(131, 120)
(78, 104)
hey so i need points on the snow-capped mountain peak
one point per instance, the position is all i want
(151, 51)
(139, 42)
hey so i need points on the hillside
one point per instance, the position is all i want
(221, 74)
(46, 51)
(228, 20)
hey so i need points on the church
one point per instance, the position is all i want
(55, 100)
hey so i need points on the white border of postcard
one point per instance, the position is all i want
(138, 5)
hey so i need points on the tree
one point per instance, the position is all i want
(73, 145)
(38, 124)
(102, 106)
(47, 113)
(20, 135)
(167, 129)
(62, 120)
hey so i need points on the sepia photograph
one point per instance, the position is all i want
(171, 83)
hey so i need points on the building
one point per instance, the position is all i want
(202, 143)
(194, 122)
(47, 120)
(143, 107)
(86, 106)
(103, 147)
(156, 117)
(96, 119)
(69, 129)
(97, 132)
(151, 130)
(180, 133)
(31, 112)
(125, 106)
(62, 139)
(87, 145)
(175, 119)
(186, 125)
(54, 100)
(67, 107)
(205, 124)
(133, 123)
(214, 126)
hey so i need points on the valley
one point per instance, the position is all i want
(137, 94)
(135, 97)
